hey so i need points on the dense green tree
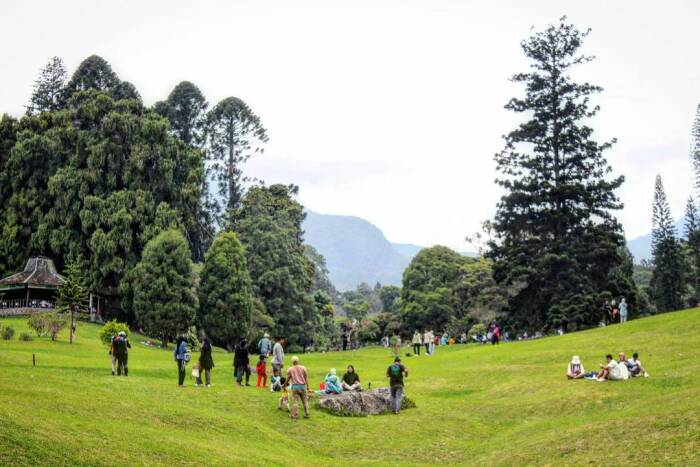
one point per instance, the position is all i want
(428, 292)
(480, 298)
(554, 228)
(125, 90)
(48, 87)
(186, 108)
(282, 276)
(165, 300)
(389, 296)
(93, 73)
(667, 280)
(234, 134)
(225, 292)
(695, 146)
(322, 281)
(95, 180)
(692, 252)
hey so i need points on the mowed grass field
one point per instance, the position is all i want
(507, 404)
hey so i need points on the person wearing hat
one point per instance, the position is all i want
(121, 352)
(575, 369)
(265, 346)
(298, 380)
(333, 385)
(396, 373)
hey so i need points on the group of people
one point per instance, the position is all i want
(614, 313)
(613, 370)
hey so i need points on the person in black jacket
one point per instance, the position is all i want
(206, 362)
(241, 363)
(121, 352)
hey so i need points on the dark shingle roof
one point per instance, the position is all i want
(39, 271)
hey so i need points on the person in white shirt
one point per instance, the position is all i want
(610, 371)
(635, 366)
(622, 365)
(575, 369)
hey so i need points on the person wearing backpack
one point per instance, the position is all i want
(121, 353)
(396, 373)
(181, 356)
(206, 362)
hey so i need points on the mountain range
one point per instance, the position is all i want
(357, 251)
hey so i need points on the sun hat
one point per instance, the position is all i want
(122, 333)
(333, 371)
(266, 335)
(295, 359)
(576, 360)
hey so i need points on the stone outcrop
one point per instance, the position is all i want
(353, 403)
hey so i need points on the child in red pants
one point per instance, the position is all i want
(261, 370)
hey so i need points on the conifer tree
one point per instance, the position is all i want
(555, 233)
(48, 87)
(225, 292)
(692, 247)
(234, 134)
(667, 281)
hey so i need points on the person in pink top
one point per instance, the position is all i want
(298, 381)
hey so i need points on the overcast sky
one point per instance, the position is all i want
(387, 110)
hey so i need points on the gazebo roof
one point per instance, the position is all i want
(39, 273)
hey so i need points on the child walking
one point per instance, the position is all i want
(261, 370)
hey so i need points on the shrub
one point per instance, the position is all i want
(476, 329)
(54, 323)
(25, 336)
(295, 349)
(111, 329)
(369, 332)
(7, 333)
(38, 323)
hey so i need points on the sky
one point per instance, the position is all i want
(388, 110)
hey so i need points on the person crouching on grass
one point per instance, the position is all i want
(610, 371)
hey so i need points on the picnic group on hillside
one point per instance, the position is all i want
(613, 370)
(294, 385)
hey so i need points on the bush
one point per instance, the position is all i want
(111, 329)
(369, 332)
(476, 329)
(25, 336)
(38, 323)
(294, 349)
(8, 333)
(54, 323)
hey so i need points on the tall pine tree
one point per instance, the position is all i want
(556, 238)
(692, 252)
(667, 281)
(48, 87)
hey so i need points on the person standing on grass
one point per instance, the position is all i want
(112, 355)
(121, 352)
(265, 346)
(396, 373)
(426, 342)
(396, 344)
(417, 342)
(623, 311)
(180, 356)
(241, 363)
(495, 334)
(298, 381)
(278, 355)
(206, 362)
(261, 370)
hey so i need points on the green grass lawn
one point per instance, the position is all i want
(507, 404)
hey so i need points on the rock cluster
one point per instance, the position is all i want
(353, 403)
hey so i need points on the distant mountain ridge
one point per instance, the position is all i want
(357, 251)
(640, 247)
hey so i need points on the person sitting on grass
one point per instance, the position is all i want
(635, 366)
(609, 371)
(276, 381)
(575, 369)
(351, 380)
(332, 381)
(622, 364)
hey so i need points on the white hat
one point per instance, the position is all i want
(266, 335)
(576, 360)
(295, 359)
(122, 333)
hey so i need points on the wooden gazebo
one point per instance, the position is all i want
(36, 287)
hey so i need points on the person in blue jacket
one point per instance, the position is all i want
(332, 381)
(180, 356)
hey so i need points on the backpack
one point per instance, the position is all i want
(395, 370)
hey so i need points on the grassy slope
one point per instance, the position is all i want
(508, 404)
